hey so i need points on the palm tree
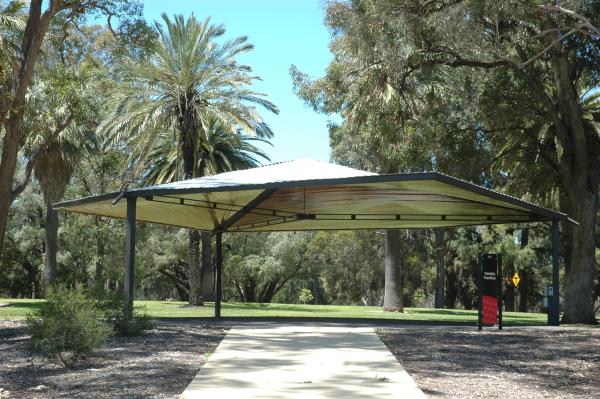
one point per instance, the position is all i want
(219, 152)
(12, 21)
(186, 81)
(53, 170)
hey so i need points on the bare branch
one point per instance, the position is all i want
(593, 30)
(547, 48)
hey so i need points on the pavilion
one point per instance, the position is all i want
(310, 195)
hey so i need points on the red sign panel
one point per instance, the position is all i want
(489, 282)
(489, 310)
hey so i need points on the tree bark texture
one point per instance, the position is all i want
(195, 272)
(51, 244)
(579, 170)
(208, 271)
(524, 286)
(100, 253)
(392, 300)
(188, 140)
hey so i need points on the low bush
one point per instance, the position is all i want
(305, 295)
(112, 306)
(67, 326)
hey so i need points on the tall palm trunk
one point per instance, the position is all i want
(188, 139)
(53, 169)
(392, 299)
(208, 272)
(195, 272)
(51, 244)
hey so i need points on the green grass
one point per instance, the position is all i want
(19, 308)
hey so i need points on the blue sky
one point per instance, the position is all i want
(284, 32)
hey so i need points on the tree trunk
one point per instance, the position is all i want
(12, 107)
(195, 271)
(8, 163)
(451, 289)
(392, 300)
(524, 275)
(579, 171)
(268, 292)
(51, 244)
(188, 141)
(178, 273)
(208, 271)
(509, 292)
(440, 268)
(579, 288)
(100, 251)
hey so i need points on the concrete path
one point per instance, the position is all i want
(302, 362)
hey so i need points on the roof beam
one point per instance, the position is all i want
(245, 210)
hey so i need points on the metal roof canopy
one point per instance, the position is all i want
(310, 195)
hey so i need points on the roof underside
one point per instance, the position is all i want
(309, 195)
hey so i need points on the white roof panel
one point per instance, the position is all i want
(311, 195)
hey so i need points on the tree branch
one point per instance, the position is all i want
(547, 48)
(593, 30)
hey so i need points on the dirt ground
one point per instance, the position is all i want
(159, 364)
(514, 363)
(445, 363)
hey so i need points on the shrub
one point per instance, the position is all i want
(112, 306)
(67, 326)
(305, 295)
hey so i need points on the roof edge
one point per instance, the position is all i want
(441, 177)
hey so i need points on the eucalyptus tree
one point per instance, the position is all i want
(18, 73)
(187, 79)
(546, 49)
(218, 152)
(389, 124)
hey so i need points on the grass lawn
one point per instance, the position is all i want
(19, 308)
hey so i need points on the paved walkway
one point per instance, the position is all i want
(302, 361)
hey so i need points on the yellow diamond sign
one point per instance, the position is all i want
(516, 279)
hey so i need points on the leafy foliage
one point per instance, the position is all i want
(112, 307)
(67, 326)
(305, 296)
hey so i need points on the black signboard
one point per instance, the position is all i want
(490, 290)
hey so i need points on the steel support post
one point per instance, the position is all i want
(129, 256)
(218, 267)
(480, 291)
(499, 281)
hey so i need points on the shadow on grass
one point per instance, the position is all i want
(450, 312)
(265, 307)
(24, 305)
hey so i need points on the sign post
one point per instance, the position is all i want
(490, 291)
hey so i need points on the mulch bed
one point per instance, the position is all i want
(514, 363)
(159, 364)
(445, 363)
